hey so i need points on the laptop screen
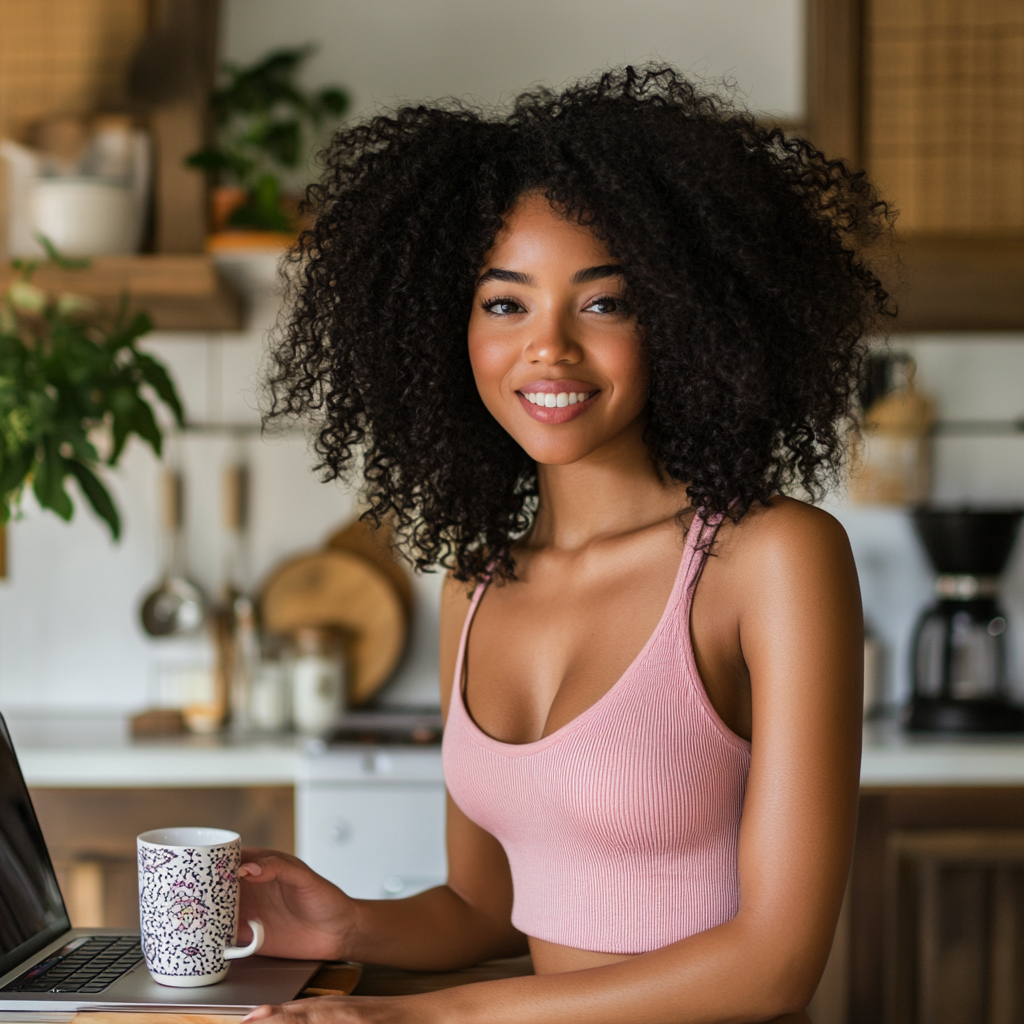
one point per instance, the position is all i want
(31, 909)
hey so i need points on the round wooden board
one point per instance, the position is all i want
(340, 590)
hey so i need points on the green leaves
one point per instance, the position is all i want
(96, 494)
(266, 122)
(263, 210)
(65, 378)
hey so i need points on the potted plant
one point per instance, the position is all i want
(66, 377)
(265, 125)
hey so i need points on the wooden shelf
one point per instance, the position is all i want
(180, 292)
(958, 283)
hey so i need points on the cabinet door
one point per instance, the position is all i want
(378, 841)
(91, 834)
(955, 927)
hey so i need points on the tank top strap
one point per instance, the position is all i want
(460, 659)
(699, 538)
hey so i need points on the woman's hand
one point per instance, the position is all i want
(349, 1010)
(305, 916)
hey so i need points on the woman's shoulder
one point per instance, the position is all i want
(783, 535)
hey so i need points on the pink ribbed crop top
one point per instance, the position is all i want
(621, 827)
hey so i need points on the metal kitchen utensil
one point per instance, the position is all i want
(238, 647)
(177, 605)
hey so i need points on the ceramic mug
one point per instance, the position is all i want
(188, 905)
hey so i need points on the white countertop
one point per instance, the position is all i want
(98, 751)
(91, 751)
(893, 758)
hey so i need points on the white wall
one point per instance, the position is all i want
(69, 632)
(486, 50)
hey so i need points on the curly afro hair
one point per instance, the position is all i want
(740, 248)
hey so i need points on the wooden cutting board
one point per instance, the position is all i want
(340, 590)
(378, 547)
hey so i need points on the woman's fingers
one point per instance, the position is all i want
(273, 867)
(260, 1012)
(332, 1010)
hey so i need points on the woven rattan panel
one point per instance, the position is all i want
(945, 112)
(62, 57)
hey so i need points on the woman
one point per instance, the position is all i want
(578, 352)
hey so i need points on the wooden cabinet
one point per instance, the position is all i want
(935, 925)
(928, 96)
(954, 925)
(91, 836)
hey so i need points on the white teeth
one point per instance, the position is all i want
(550, 400)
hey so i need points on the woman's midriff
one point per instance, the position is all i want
(551, 958)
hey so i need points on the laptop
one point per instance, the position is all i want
(46, 965)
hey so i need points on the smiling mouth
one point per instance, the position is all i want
(556, 407)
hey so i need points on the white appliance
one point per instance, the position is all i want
(372, 819)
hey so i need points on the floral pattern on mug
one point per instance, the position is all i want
(188, 903)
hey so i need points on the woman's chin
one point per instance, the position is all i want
(563, 453)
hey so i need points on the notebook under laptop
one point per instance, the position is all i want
(47, 965)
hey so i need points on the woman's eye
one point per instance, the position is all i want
(503, 307)
(606, 304)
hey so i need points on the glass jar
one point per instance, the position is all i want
(318, 682)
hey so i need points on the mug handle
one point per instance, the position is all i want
(237, 952)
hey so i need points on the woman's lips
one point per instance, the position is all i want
(556, 414)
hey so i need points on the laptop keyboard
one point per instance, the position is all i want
(89, 964)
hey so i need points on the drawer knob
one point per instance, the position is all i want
(339, 831)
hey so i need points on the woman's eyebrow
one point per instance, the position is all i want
(511, 276)
(596, 273)
(580, 277)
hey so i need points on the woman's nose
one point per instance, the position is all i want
(551, 341)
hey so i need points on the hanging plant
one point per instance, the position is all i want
(66, 378)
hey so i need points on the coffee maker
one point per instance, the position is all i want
(959, 664)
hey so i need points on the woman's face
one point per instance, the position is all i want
(554, 347)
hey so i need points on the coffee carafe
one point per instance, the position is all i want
(959, 664)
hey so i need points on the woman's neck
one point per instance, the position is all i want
(615, 490)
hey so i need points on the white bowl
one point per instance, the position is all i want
(85, 216)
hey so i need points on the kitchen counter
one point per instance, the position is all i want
(892, 758)
(91, 751)
(98, 751)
